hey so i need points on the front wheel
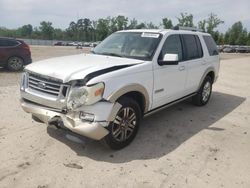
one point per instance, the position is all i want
(204, 93)
(124, 128)
(15, 63)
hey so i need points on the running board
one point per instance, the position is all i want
(149, 113)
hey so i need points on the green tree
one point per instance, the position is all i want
(26, 30)
(150, 25)
(141, 26)
(71, 31)
(46, 29)
(216, 36)
(226, 38)
(167, 23)
(122, 22)
(221, 40)
(59, 34)
(133, 24)
(186, 20)
(102, 28)
(36, 34)
(237, 34)
(213, 22)
(248, 39)
(202, 25)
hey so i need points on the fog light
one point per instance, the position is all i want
(86, 116)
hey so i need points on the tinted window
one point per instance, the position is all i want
(8, 43)
(2, 43)
(172, 45)
(198, 42)
(211, 45)
(192, 47)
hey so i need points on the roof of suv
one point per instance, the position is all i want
(164, 31)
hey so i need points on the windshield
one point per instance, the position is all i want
(137, 45)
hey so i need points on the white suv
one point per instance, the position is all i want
(133, 73)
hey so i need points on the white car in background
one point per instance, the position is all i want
(133, 73)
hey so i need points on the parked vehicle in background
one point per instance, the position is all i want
(242, 49)
(131, 74)
(94, 44)
(14, 54)
(229, 50)
(58, 43)
(72, 44)
(86, 44)
(220, 48)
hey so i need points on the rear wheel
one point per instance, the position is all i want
(15, 63)
(204, 93)
(124, 128)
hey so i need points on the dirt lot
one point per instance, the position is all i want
(183, 146)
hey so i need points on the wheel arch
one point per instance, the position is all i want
(209, 72)
(135, 91)
(14, 55)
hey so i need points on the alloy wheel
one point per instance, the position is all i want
(206, 91)
(124, 124)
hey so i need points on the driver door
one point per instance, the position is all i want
(169, 80)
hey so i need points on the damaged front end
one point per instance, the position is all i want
(80, 108)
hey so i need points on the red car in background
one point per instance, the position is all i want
(14, 54)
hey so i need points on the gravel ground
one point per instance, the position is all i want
(182, 146)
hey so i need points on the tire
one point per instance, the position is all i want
(204, 93)
(15, 63)
(124, 128)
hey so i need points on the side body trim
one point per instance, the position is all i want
(168, 104)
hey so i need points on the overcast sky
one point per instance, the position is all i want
(15, 13)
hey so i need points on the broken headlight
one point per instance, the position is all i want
(85, 95)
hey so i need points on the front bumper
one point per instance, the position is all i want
(95, 130)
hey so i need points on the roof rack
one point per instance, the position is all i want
(186, 28)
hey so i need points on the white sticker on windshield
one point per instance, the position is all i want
(150, 35)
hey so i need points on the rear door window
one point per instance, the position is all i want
(8, 43)
(211, 45)
(11, 43)
(2, 43)
(193, 49)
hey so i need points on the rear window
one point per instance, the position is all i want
(193, 48)
(211, 45)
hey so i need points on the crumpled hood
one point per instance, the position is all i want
(77, 66)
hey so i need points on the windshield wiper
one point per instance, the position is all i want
(111, 54)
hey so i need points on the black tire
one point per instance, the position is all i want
(204, 93)
(124, 128)
(15, 63)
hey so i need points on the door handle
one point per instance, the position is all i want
(181, 68)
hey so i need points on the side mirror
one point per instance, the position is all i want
(169, 59)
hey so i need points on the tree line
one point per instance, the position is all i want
(88, 30)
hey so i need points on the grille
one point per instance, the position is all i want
(46, 85)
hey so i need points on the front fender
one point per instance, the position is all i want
(130, 88)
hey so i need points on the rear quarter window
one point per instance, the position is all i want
(211, 45)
